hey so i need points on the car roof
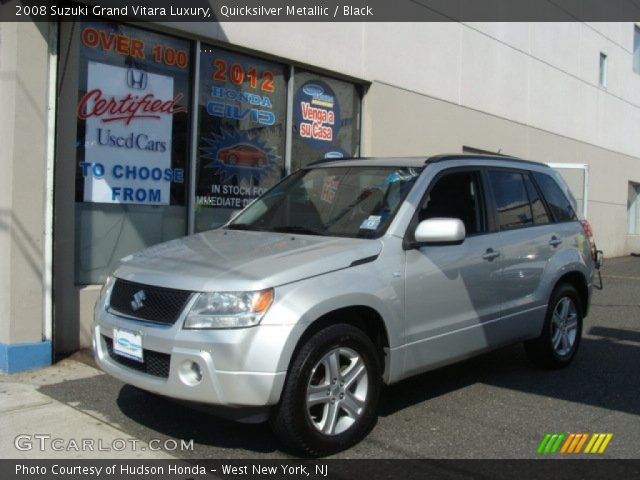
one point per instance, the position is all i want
(419, 161)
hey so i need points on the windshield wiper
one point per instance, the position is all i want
(296, 229)
(243, 226)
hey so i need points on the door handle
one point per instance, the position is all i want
(490, 254)
(555, 241)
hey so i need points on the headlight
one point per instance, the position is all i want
(229, 309)
(106, 288)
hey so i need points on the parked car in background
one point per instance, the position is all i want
(347, 275)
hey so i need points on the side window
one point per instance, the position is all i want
(558, 202)
(456, 195)
(540, 215)
(512, 201)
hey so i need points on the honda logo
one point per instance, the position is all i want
(138, 299)
(137, 79)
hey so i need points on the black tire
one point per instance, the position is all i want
(541, 351)
(291, 421)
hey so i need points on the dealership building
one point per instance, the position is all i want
(118, 136)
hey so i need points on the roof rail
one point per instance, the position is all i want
(468, 156)
(337, 159)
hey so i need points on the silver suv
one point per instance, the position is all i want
(346, 275)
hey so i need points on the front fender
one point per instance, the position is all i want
(304, 302)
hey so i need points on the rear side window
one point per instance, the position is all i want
(558, 202)
(540, 215)
(512, 200)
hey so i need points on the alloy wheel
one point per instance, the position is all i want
(564, 326)
(337, 391)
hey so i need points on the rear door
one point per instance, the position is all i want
(527, 242)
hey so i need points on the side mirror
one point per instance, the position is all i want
(440, 230)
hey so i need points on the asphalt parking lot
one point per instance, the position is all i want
(494, 406)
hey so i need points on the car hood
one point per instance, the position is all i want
(233, 260)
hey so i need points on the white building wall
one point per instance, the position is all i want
(23, 92)
(544, 75)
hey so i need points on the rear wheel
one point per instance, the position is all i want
(562, 331)
(330, 398)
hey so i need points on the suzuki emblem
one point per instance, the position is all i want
(138, 298)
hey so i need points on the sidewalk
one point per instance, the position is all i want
(46, 428)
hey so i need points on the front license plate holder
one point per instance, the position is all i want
(128, 344)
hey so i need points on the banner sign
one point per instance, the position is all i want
(317, 114)
(129, 120)
(130, 94)
(242, 115)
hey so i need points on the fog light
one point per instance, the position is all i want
(190, 373)
(197, 373)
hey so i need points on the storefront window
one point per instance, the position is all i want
(326, 119)
(133, 140)
(132, 144)
(241, 133)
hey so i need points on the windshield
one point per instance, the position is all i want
(357, 202)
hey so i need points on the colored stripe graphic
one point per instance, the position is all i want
(550, 443)
(543, 443)
(572, 443)
(565, 447)
(582, 441)
(598, 443)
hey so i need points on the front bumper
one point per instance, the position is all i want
(239, 366)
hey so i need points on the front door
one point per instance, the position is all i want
(452, 291)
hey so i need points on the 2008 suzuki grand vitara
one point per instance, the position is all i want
(348, 274)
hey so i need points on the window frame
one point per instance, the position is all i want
(408, 241)
(77, 65)
(603, 70)
(494, 209)
(634, 205)
(635, 57)
(546, 202)
(190, 135)
(546, 207)
(494, 205)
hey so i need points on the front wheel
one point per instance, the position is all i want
(330, 397)
(557, 345)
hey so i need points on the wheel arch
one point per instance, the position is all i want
(578, 281)
(363, 317)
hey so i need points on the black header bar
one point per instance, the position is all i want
(326, 10)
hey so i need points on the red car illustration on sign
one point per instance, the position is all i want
(243, 154)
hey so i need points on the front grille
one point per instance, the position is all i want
(154, 304)
(155, 363)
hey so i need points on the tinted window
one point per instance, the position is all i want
(456, 195)
(512, 201)
(540, 215)
(558, 202)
